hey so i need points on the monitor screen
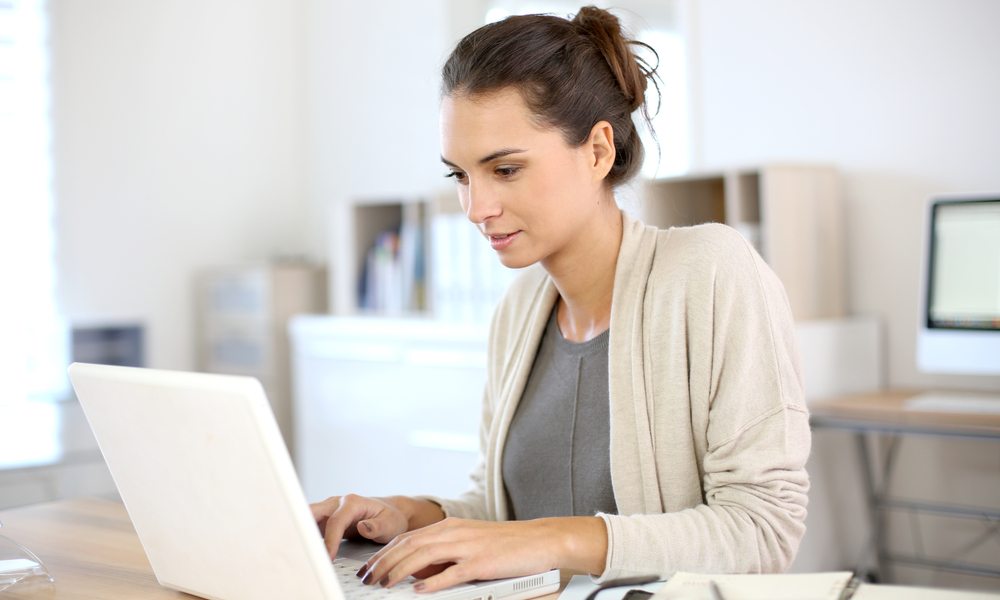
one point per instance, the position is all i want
(960, 316)
(964, 290)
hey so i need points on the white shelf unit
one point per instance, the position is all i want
(793, 214)
(462, 276)
(355, 232)
(243, 315)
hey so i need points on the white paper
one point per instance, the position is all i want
(899, 592)
(797, 586)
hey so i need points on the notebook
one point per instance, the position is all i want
(208, 483)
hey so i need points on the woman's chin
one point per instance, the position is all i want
(514, 261)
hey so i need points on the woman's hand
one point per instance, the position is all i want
(376, 519)
(456, 550)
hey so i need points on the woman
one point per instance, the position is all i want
(643, 411)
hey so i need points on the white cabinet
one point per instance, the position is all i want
(386, 406)
(242, 324)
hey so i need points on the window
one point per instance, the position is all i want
(32, 341)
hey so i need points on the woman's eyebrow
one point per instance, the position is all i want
(486, 159)
(499, 154)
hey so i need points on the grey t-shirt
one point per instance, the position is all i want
(556, 460)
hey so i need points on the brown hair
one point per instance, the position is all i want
(571, 74)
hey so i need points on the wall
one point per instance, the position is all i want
(372, 97)
(901, 96)
(178, 144)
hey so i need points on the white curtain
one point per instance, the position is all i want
(33, 341)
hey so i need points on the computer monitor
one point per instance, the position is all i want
(959, 331)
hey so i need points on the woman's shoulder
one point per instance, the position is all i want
(712, 241)
(703, 243)
(705, 251)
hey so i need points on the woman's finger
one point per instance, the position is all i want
(412, 558)
(378, 567)
(322, 510)
(431, 570)
(345, 514)
(383, 526)
(453, 575)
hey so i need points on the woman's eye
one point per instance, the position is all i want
(456, 175)
(507, 172)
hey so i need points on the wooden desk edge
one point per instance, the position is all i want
(888, 409)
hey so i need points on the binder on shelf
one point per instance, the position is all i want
(414, 260)
(392, 281)
(468, 278)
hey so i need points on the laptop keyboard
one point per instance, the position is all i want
(346, 570)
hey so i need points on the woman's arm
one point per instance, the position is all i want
(728, 425)
(752, 517)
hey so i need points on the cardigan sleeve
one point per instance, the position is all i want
(748, 421)
(751, 521)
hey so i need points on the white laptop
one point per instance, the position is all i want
(204, 473)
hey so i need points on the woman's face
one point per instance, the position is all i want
(531, 194)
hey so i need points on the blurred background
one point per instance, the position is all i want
(166, 164)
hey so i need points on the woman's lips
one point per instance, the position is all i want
(501, 241)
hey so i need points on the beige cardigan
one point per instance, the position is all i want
(709, 430)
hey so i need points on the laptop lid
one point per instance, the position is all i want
(206, 478)
(207, 481)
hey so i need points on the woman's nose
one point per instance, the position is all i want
(480, 205)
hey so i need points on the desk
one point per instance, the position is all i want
(883, 413)
(89, 546)
(92, 551)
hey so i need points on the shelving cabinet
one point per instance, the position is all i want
(792, 214)
(356, 230)
(243, 321)
(444, 268)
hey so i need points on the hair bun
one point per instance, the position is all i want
(631, 71)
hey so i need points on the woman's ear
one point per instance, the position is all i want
(602, 146)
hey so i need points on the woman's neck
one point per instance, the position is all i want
(584, 274)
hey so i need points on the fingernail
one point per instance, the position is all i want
(384, 582)
(364, 569)
(367, 577)
(368, 526)
(420, 586)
